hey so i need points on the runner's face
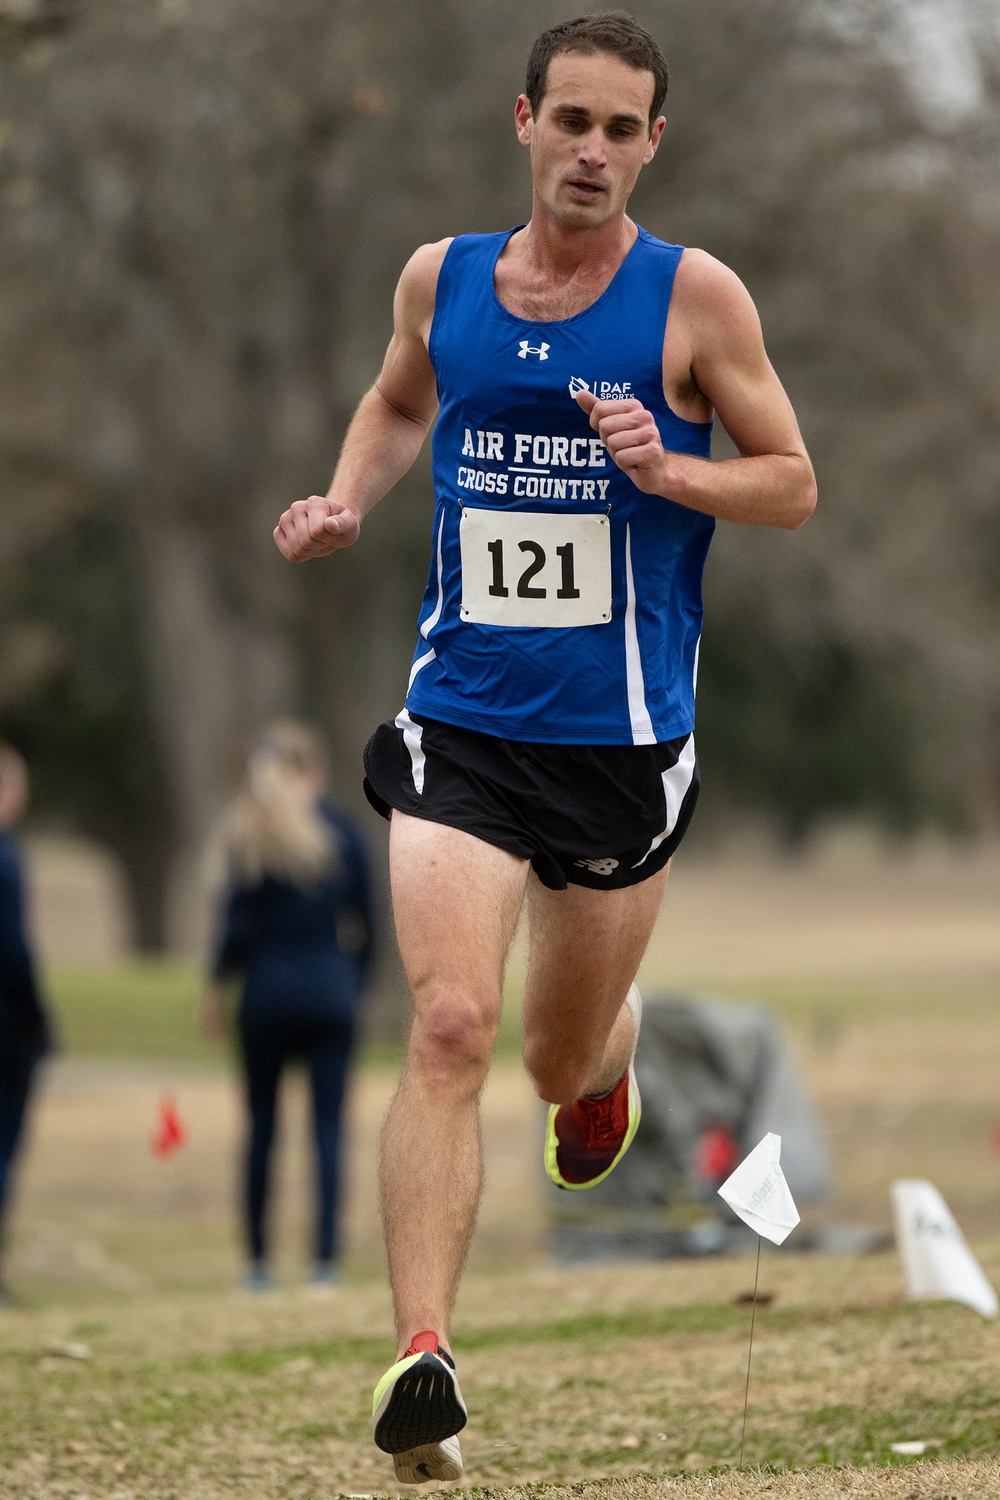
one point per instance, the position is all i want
(590, 138)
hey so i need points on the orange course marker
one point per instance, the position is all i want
(171, 1134)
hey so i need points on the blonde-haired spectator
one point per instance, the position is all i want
(297, 930)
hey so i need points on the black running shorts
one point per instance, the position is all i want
(604, 816)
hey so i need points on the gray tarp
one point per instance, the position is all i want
(714, 1078)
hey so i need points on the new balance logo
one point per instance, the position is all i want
(598, 866)
(542, 350)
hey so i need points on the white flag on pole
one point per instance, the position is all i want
(936, 1259)
(758, 1192)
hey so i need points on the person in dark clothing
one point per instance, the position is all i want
(24, 1028)
(297, 931)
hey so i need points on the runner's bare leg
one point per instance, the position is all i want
(585, 951)
(456, 902)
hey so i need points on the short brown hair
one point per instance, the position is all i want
(611, 31)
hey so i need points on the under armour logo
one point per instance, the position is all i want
(598, 866)
(576, 385)
(542, 350)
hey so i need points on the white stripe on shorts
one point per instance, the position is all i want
(676, 782)
(412, 735)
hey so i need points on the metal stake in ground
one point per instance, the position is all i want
(758, 1193)
(753, 1317)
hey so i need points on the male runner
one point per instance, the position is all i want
(545, 750)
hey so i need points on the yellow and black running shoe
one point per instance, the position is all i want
(417, 1410)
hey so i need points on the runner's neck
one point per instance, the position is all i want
(549, 272)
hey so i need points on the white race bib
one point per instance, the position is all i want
(541, 570)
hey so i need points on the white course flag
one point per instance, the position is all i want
(936, 1259)
(758, 1192)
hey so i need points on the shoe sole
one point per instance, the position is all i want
(418, 1408)
(634, 1002)
(440, 1461)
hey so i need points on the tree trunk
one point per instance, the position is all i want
(220, 676)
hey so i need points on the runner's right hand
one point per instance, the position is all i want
(315, 528)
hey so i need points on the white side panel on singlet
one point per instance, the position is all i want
(638, 713)
(419, 664)
(432, 618)
(435, 613)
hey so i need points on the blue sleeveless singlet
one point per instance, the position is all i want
(563, 604)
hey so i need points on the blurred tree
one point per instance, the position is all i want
(76, 698)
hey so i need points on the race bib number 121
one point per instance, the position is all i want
(525, 568)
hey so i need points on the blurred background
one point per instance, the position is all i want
(205, 209)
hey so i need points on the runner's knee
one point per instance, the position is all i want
(452, 1037)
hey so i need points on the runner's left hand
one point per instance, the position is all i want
(631, 436)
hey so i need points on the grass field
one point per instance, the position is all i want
(143, 1008)
(569, 1377)
(620, 1383)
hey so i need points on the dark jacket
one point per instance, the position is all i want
(303, 952)
(24, 1029)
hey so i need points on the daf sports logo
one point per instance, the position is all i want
(604, 390)
(542, 350)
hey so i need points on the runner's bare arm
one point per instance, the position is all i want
(772, 482)
(387, 430)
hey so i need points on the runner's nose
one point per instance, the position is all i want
(592, 153)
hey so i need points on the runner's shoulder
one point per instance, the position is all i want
(417, 287)
(712, 303)
(706, 292)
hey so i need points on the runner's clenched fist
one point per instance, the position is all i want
(631, 436)
(315, 528)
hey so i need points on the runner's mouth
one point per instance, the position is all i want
(587, 188)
